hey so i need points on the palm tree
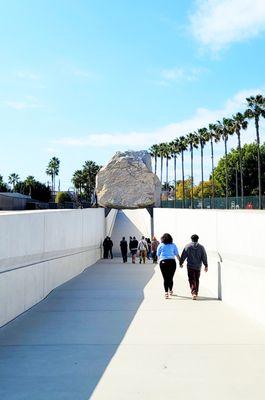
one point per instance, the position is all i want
(214, 137)
(183, 145)
(13, 180)
(162, 153)
(154, 152)
(90, 170)
(53, 170)
(174, 146)
(239, 122)
(78, 180)
(29, 182)
(255, 111)
(203, 137)
(224, 130)
(192, 141)
(167, 153)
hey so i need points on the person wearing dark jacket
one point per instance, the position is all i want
(124, 249)
(107, 247)
(195, 255)
(133, 248)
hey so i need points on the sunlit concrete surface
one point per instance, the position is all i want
(110, 334)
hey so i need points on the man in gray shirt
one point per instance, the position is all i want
(196, 256)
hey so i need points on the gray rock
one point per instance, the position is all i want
(127, 181)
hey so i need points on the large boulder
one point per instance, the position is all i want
(127, 181)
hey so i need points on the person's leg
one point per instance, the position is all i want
(144, 256)
(192, 280)
(140, 256)
(105, 253)
(171, 273)
(163, 268)
(111, 255)
(197, 280)
(125, 257)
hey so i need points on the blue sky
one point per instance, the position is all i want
(80, 80)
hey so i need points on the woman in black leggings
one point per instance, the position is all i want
(167, 252)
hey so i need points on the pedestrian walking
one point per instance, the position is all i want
(196, 256)
(154, 246)
(107, 247)
(133, 248)
(143, 249)
(167, 252)
(148, 241)
(124, 249)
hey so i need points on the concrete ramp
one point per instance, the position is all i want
(130, 223)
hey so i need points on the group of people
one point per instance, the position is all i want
(165, 253)
(145, 248)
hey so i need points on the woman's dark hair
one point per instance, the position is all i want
(166, 238)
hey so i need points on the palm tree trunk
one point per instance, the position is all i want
(202, 198)
(161, 170)
(155, 164)
(213, 183)
(183, 182)
(241, 169)
(226, 176)
(191, 173)
(175, 179)
(167, 178)
(259, 167)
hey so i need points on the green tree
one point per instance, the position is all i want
(249, 163)
(192, 141)
(203, 138)
(183, 145)
(223, 131)
(53, 170)
(214, 137)
(154, 152)
(187, 188)
(29, 183)
(3, 185)
(84, 179)
(239, 123)
(175, 150)
(256, 110)
(13, 180)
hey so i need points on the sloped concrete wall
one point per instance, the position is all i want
(40, 250)
(235, 241)
(130, 223)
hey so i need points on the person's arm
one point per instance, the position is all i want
(183, 257)
(176, 252)
(158, 251)
(204, 259)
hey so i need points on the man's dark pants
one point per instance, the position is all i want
(194, 280)
(124, 256)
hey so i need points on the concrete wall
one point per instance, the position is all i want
(110, 221)
(40, 250)
(130, 223)
(235, 237)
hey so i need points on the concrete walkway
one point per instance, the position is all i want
(110, 334)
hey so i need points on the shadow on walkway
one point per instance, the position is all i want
(61, 347)
(199, 298)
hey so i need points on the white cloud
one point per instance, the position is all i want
(139, 140)
(84, 73)
(28, 102)
(218, 23)
(27, 75)
(178, 74)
